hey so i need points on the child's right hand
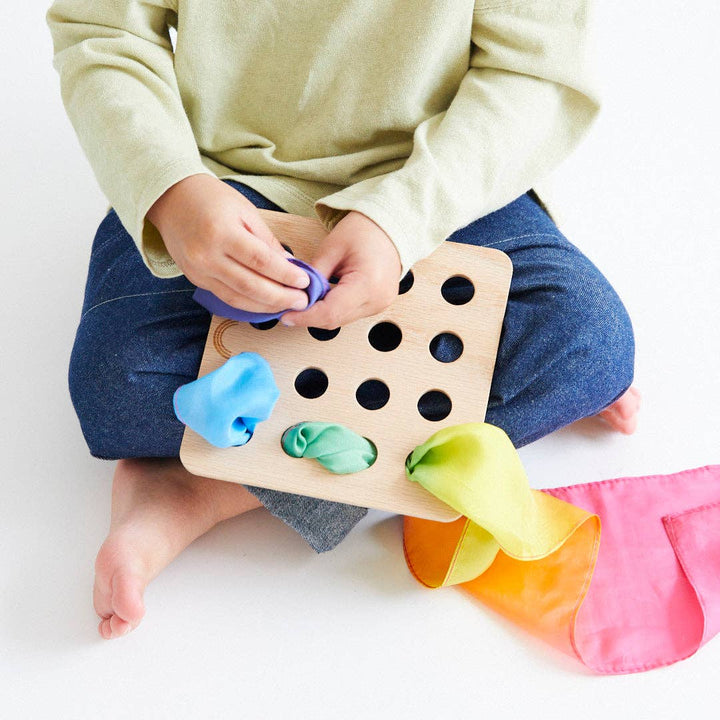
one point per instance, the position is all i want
(218, 239)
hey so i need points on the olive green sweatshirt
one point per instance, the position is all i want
(423, 115)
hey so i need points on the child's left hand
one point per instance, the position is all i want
(364, 259)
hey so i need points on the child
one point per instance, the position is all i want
(401, 125)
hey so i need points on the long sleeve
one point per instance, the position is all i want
(526, 100)
(119, 89)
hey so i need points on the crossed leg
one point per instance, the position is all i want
(555, 365)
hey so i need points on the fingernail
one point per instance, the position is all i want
(299, 305)
(303, 280)
(287, 321)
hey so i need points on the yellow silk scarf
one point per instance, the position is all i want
(526, 554)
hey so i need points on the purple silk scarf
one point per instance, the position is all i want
(316, 290)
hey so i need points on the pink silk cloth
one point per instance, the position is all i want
(645, 595)
(654, 597)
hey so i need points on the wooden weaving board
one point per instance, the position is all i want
(348, 360)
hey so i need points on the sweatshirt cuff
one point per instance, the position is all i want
(143, 232)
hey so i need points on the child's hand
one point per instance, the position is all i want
(218, 239)
(368, 266)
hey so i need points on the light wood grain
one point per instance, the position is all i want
(348, 360)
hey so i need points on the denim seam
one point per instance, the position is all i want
(520, 237)
(105, 243)
(125, 297)
(114, 238)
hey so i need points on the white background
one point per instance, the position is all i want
(249, 621)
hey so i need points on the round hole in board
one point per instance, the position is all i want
(333, 279)
(282, 437)
(311, 383)
(372, 394)
(265, 325)
(374, 448)
(287, 430)
(446, 347)
(434, 405)
(385, 336)
(322, 334)
(458, 290)
(292, 427)
(288, 249)
(238, 425)
(406, 283)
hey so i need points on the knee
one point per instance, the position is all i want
(600, 344)
(119, 404)
(98, 380)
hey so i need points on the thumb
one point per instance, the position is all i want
(328, 257)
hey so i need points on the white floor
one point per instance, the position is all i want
(249, 621)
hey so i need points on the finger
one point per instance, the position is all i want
(343, 304)
(253, 253)
(328, 259)
(254, 223)
(242, 288)
(239, 301)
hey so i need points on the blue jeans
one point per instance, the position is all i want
(566, 349)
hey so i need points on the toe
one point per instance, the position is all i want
(628, 405)
(119, 627)
(636, 398)
(127, 600)
(104, 628)
(105, 564)
(631, 426)
(113, 627)
(626, 425)
(118, 590)
(619, 419)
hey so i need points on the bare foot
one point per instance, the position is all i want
(158, 509)
(622, 414)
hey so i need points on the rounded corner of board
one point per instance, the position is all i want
(444, 515)
(502, 259)
(186, 459)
